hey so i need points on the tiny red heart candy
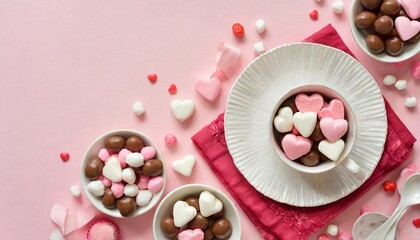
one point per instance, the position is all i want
(152, 78)
(416, 222)
(313, 15)
(172, 89)
(238, 30)
(65, 156)
(389, 186)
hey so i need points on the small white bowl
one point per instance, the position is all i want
(93, 151)
(409, 49)
(181, 193)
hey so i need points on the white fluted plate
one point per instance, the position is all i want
(254, 97)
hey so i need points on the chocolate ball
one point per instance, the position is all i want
(414, 39)
(94, 168)
(218, 214)
(222, 228)
(152, 168)
(365, 19)
(317, 135)
(402, 13)
(194, 202)
(208, 234)
(394, 46)
(371, 4)
(310, 159)
(374, 43)
(322, 157)
(393, 33)
(126, 205)
(384, 24)
(199, 221)
(390, 7)
(290, 102)
(114, 144)
(108, 199)
(168, 227)
(134, 144)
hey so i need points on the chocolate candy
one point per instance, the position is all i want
(219, 214)
(199, 221)
(384, 24)
(414, 39)
(108, 199)
(394, 46)
(375, 43)
(365, 19)
(290, 102)
(134, 144)
(311, 159)
(208, 234)
(126, 205)
(193, 201)
(222, 228)
(168, 227)
(371, 4)
(114, 144)
(317, 135)
(152, 167)
(390, 7)
(94, 168)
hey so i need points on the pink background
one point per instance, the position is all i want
(71, 70)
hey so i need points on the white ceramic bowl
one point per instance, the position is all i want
(409, 49)
(181, 193)
(93, 151)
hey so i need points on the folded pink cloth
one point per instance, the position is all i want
(276, 220)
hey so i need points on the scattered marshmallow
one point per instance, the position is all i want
(415, 70)
(138, 108)
(117, 189)
(401, 84)
(134, 160)
(389, 80)
(332, 230)
(338, 7)
(131, 190)
(96, 187)
(170, 139)
(75, 191)
(103, 154)
(260, 26)
(185, 165)
(209, 89)
(182, 110)
(259, 48)
(410, 102)
(112, 169)
(209, 204)
(128, 175)
(143, 197)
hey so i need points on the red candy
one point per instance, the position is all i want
(65, 156)
(172, 89)
(238, 30)
(389, 186)
(152, 78)
(416, 222)
(313, 15)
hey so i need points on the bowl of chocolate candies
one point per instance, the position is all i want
(386, 30)
(123, 173)
(196, 211)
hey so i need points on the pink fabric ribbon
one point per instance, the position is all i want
(67, 221)
(227, 58)
(276, 220)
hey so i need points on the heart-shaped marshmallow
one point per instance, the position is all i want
(209, 204)
(185, 165)
(283, 120)
(112, 170)
(313, 103)
(128, 175)
(331, 150)
(406, 29)
(188, 234)
(182, 110)
(96, 187)
(305, 122)
(183, 213)
(335, 109)
(295, 146)
(143, 197)
(412, 8)
(134, 159)
(333, 129)
(208, 89)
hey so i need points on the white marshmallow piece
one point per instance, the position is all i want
(183, 213)
(112, 170)
(75, 191)
(410, 102)
(401, 84)
(209, 204)
(389, 80)
(143, 197)
(134, 159)
(182, 110)
(131, 190)
(185, 165)
(332, 230)
(338, 7)
(259, 48)
(138, 108)
(128, 175)
(305, 122)
(96, 187)
(260, 26)
(331, 150)
(283, 120)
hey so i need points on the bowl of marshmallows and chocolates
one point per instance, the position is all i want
(387, 30)
(123, 173)
(196, 211)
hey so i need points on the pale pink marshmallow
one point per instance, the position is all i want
(335, 109)
(313, 103)
(415, 70)
(105, 181)
(208, 89)
(122, 155)
(295, 146)
(117, 189)
(196, 234)
(103, 154)
(143, 181)
(333, 129)
(155, 184)
(148, 152)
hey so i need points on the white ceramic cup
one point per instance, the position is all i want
(348, 163)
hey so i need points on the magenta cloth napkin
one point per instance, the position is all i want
(276, 220)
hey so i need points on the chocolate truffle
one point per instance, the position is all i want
(168, 227)
(375, 43)
(394, 46)
(384, 24)
(94, 168)
(222, 228)
(317, 135)
(114, 144)
(126, 206)
(152, 167)
(414, 39)
(390, 7)
(371, 4)
(310, 159)
(134, 144)
(365, 19)
(194, 202)
(199, 221)
(108, 199)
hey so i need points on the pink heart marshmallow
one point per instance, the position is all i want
(333, 129)
(208, 89)
(155, 184)
(196, 234)
(313, 103)
(335, 109)
(406, 29)
(295, 146)
(412, 8)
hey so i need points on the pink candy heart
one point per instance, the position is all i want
(335, 109)
(412, 8)
(406, 29)
(196, 234)
(333, 129)
(305, 103)
(208, 89)
(295, 146)
(155, 184)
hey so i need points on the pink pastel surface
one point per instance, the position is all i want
(71, 70)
